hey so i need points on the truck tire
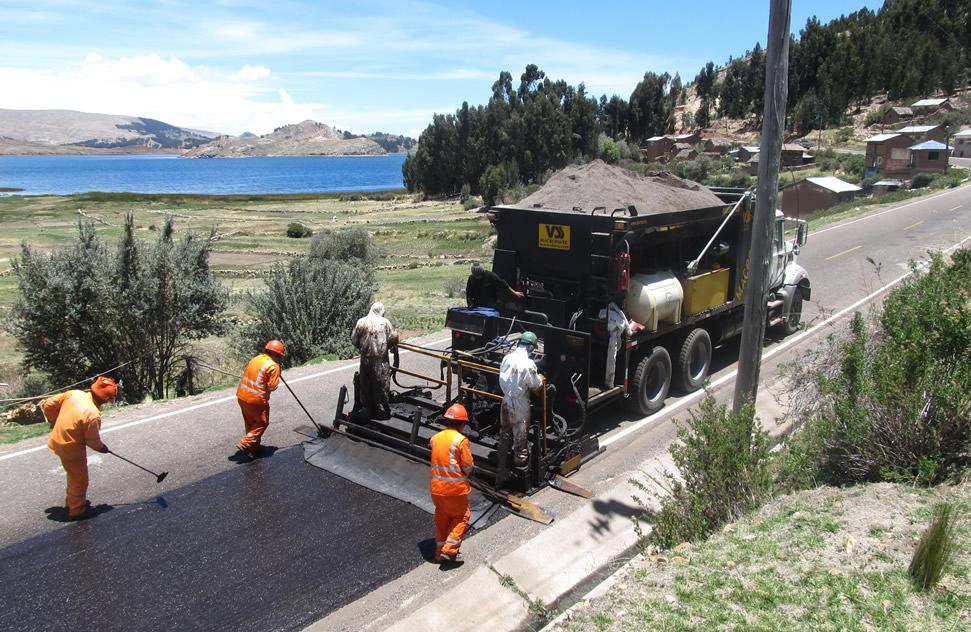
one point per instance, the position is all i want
(694, 361)
(652, 380)
(790, 321)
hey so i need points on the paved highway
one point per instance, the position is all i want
(278, 544)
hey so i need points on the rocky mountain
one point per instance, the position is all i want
(308, 138)
(64, 131)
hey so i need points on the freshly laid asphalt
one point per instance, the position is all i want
(265, 546)
(277, 544)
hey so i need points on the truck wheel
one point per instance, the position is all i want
(694, 361)
(790, 322)
(652, 380)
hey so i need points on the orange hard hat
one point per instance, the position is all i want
(105, 388)
(276, 346)
(457, 412)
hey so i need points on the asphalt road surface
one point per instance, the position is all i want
(277, 544)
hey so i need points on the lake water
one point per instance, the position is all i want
(167, 173)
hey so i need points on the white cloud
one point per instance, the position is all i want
(250, 73)
(162, 88)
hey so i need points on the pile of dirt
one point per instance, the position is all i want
(597, 184)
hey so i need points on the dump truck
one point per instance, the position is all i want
(679, 276)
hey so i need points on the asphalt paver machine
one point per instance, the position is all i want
(678, 275)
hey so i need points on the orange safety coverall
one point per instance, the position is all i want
(451, 466)
(260, 378)
(76, 422)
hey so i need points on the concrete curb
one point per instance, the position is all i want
(582, 553)
(480, 602)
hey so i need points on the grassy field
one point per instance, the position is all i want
(425, 245)
(825, 559)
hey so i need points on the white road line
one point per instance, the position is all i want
(189, 409)
(889, 210)
(687, 399)
(957, 207)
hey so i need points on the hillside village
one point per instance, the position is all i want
(901, 147)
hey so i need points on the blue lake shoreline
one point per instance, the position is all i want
(170, 173)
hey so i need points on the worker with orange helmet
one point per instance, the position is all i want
(451, 463)
(75, 420)
(260, 379)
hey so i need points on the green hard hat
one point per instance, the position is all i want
(528, 338)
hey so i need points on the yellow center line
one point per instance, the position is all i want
(914, 224)
(957, 207)
(845, 252)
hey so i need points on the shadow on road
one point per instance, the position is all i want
(241, 458)
(427, 550)
(59, 514)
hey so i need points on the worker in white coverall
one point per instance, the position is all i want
(518, 377)
(373, 335)
(617, 326)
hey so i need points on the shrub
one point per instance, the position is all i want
(497, 178)
(84, 309)
(310, 304)
(610, 152)
(921, 180)
(893, 402)
(296, 230)
(455, 288)
(935, 549)
(472, 202)
(876, 116)
(722, 458)
(350, 245)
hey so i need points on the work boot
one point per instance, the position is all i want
(241, 455)
(84, 515)
(452, 559)
(522, 458)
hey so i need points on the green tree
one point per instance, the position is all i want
(84, 309)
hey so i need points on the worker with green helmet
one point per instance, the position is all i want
(518, 377)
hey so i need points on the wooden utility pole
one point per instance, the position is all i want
(767, 193)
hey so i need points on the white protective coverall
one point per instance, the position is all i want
(517, 377)
(372, 336)
(617, 326)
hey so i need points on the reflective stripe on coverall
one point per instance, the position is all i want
(260, 378)
(517, 377)
(373, 335)
(451, 465)
(617, 326)
(76, 423)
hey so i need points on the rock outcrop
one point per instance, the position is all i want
(308, 138)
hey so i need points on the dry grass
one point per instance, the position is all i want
(830, 559)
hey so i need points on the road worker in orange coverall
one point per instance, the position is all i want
(451, 466)
(75, 419)
(260, 379)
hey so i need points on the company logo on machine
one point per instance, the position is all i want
(555, 236)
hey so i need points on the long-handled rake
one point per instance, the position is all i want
(158, 477)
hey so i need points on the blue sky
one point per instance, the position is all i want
(238, 65)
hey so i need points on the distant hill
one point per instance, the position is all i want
(67, 131)
(308, 138)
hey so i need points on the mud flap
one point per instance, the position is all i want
(387, 473)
